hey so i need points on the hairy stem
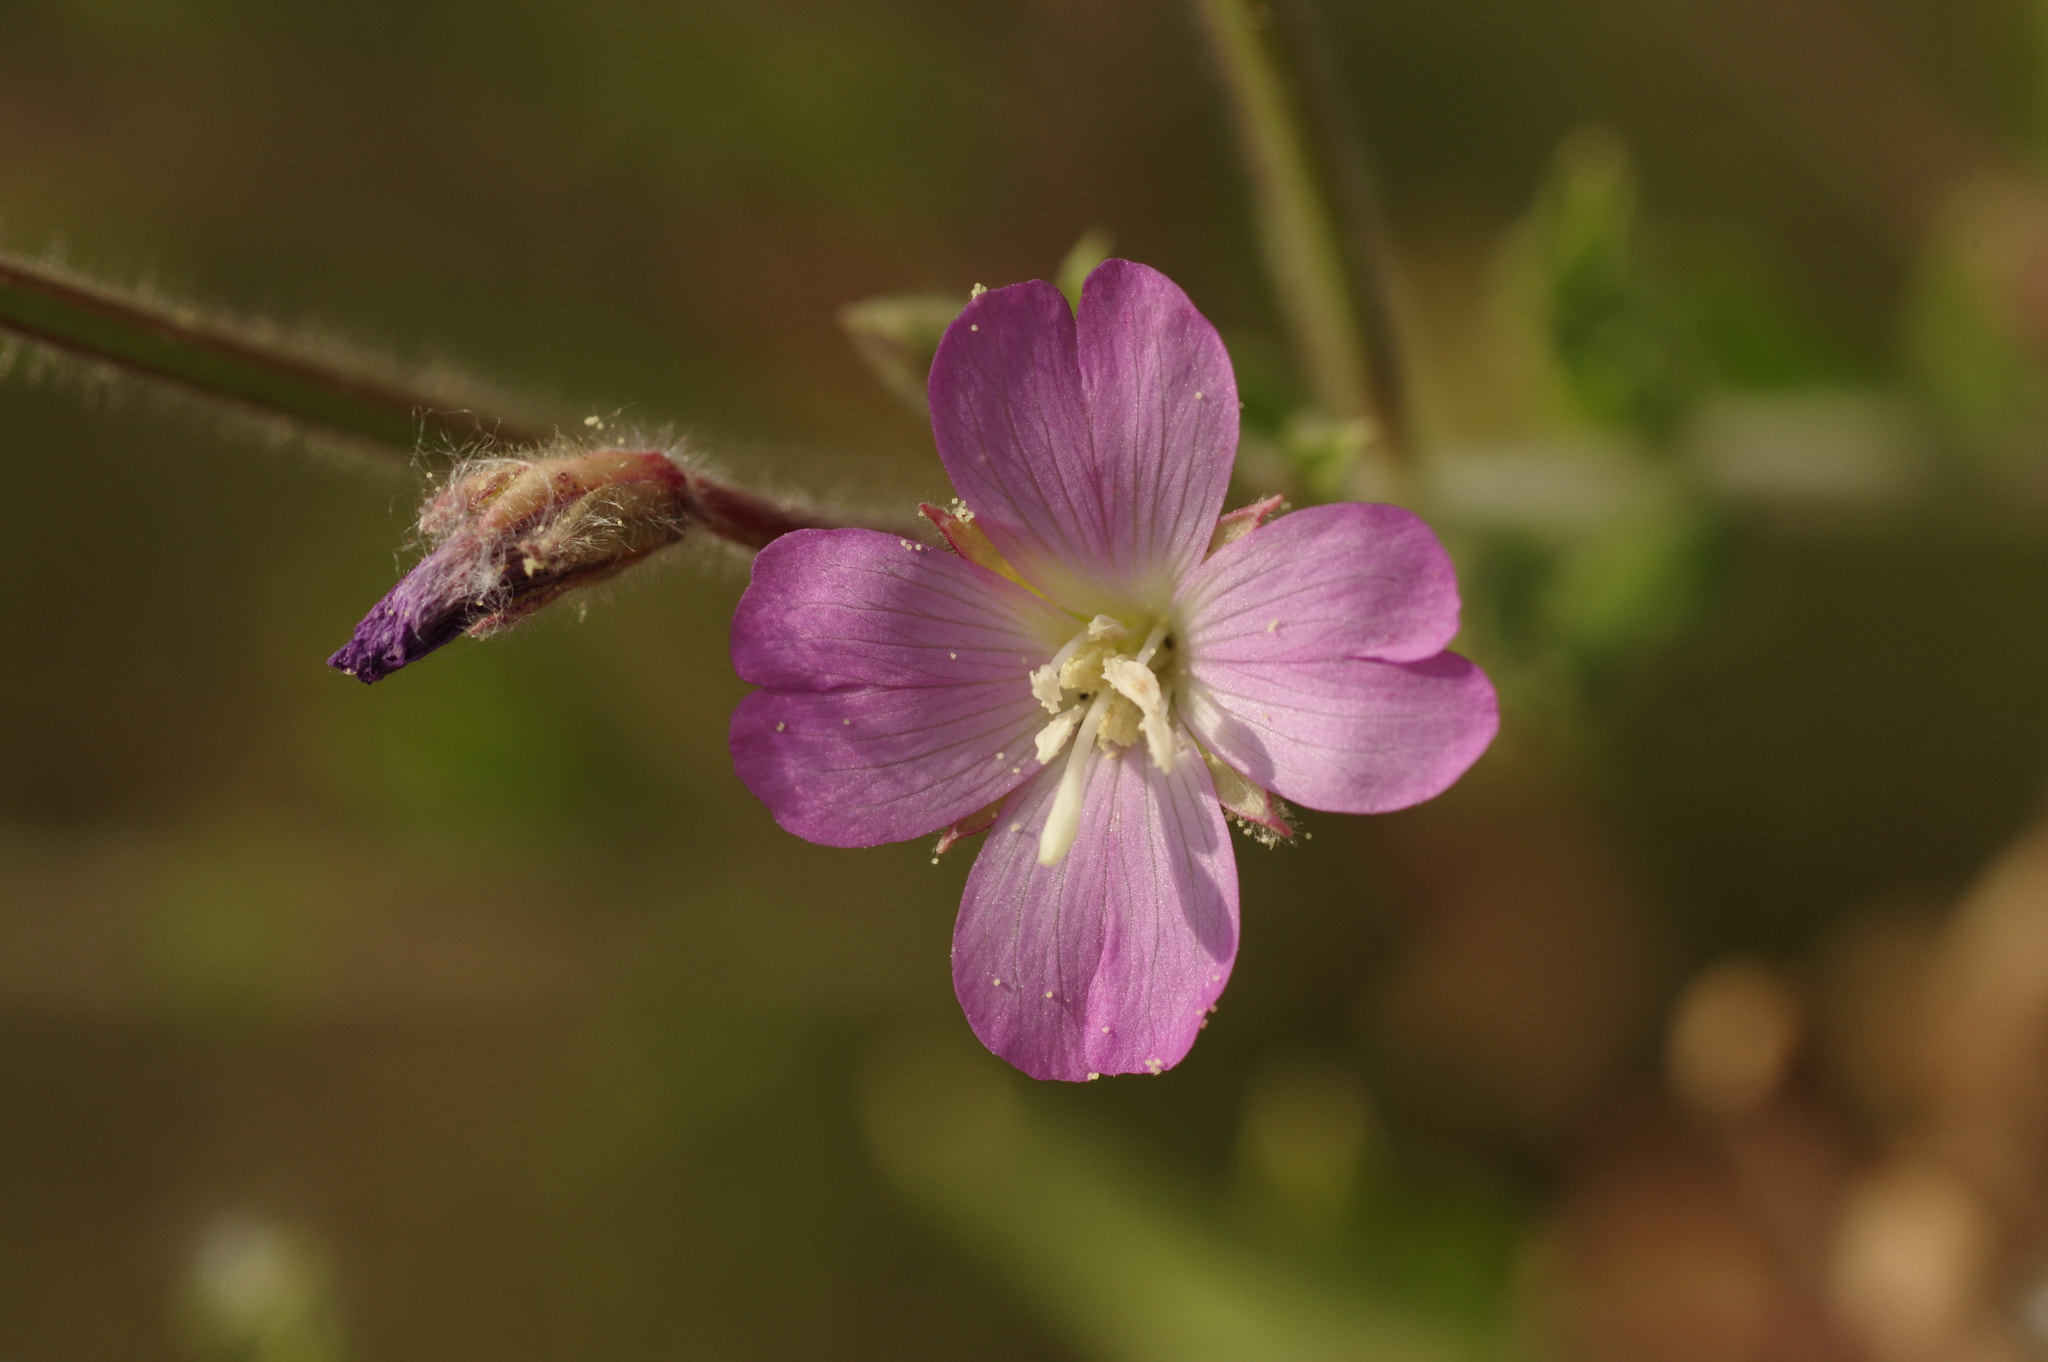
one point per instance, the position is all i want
(747, 519)
(172, 346)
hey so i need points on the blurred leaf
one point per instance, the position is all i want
(1611, 346)
(1105, 1248)
(1575, 559)
(1325, 453)
(1091, 250)
(1965, 342)
(1751, 331)
(897, 336)
(1632, 586)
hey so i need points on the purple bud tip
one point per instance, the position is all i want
(514, 534)
(425, 610)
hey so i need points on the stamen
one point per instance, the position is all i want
(1153, 640)
(1045, 681)
(1045, 685)
(1054, 735)
(1063, 821)
(1140, 685)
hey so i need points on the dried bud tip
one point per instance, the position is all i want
(510, 536)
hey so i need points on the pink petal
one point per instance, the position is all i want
(1005, 393)
(863, 765)
(830, 608)
(1096, 460)
(1108, 962)
(1162, 405)
(1349, 580)
(1351, 735)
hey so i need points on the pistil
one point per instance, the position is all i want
(1063, 821)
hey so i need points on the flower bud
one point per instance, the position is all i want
(510, 535)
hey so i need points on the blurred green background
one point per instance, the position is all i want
(483, 1015)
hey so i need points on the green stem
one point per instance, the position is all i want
(1317, 218)
(173, 347)
(1361, 227)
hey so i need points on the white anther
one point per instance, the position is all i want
(1045, 684)
(1102, 627)
(1140, 685)
(1134, 681)
(1054, 735)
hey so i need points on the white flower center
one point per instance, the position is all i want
(1100, 694)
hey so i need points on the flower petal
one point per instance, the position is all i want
(1012, 431)
(1352, 735)
(1348, 580)
(1109, 961)
(1162, 407)
(862, 765)
(829, 608)
(1096, 459)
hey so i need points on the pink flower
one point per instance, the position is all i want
(1086, 659)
